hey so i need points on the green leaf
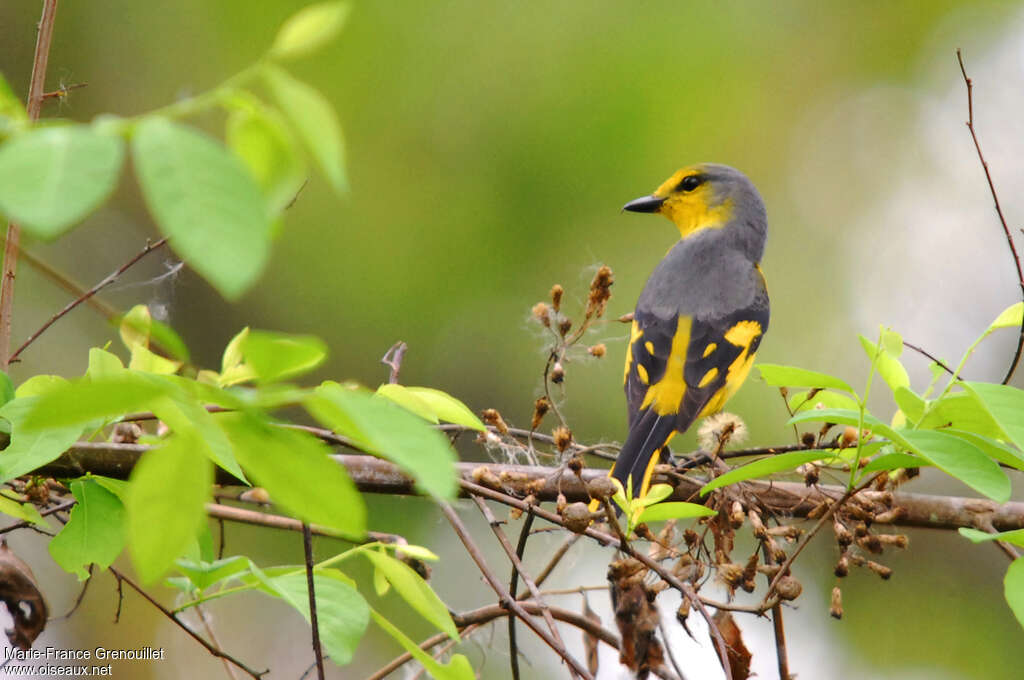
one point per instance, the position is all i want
(457, 668)
(893, 461)
(95, 533)
(182, 414)
(677, 510)
(86, 401)
(39, 385)
(448, 408)
(963, 412)
(342, 613)
(139, 328)
(10, 104)
(6, 388)
(294, 467)
(166, 504)
(892, 342)
(888, 366)
(275, 356)
(1016, 537)
(963, 460)
(803, 401)
(401, 395)
(1011, 317)
(765, 467)
(103, 364)
(256, 134)
(1005, 404)
(52, 177)
(205, 200)
(23, 511)
(790, 376)
(912, 405)
(391, 432)
(656, 494)
(1013, 588)
(416, 592)
(205, 574)
(309, 29)
(118, 487)
(314, 120)
(31, 449)
(992, 448)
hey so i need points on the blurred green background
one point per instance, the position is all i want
(490, 148)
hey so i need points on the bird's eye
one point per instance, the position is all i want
(689, 183)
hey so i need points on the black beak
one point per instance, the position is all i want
(646, 204)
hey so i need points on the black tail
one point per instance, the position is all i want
(642, 450)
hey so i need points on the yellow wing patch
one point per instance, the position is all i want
(665, 395)
(641, 371)
(712, 346)
(742, 335)
(634, 334)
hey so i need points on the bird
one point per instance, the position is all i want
(700, 317)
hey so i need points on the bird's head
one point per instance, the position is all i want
(708, 196)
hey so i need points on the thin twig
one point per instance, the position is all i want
(513, 589)
(113, 276)
(78, 600)
(393, 360)
(999, 209)
(504, 599)
(35, 102)
(307, 547)
(212, 649)
(201, 613)
(938, 362)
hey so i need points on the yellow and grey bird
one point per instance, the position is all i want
(701, 315)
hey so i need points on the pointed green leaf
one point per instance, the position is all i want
(23, 511)
(963, 412)
(963, 460)
(32, 448)
(457, 668)
(448, 408)
(342, 613)
(309, 29)
(95, 533)
(912, 405)
(790, 376)
(402, 396)
(205, 200)
(257, 136)
(765, 467)
(1005, 404)
(656, 494)
(993, 449)
(416, 592)
(276, 356)
(205, 574)
(1015, 537)
(888, 366)
(295, 468)
(893, 461)
(1013, 588)
(805, 401)
(676, 510)
(85, 401)
(391, 432)
(52, 177)
(166, 501)
(1011, 317)
(183, 414)
(314, 120)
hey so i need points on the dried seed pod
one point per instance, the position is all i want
(849, 437)
(541, 313)
(540, 409)
(556, 296)
(880, 569)
(730, 573)
(691, 538)
(557, 373)
(810, 473)
(514, 513)
(776, 553)
(769, 570)
(600, 292)
(788, 588)
(890, 516)
(836, 608)
(842, 566)
(807, 439)
(818, 510)
(534, 487)
(576, 465)
(561, 503)
(760, 531)
(597, 351)
(683, 612)
(483, 476)
(860, 529)
(894, 540)
(494, 419)
(736, 515)
(843, 535)
(788, 531)
(601, 488)
(564, 326)
(126, 433)
(563, 438)
(256, 494)
(870, 543)
(576, 517)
